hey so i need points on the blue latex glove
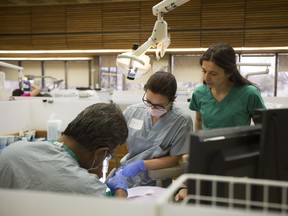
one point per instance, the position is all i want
(27, 82)
(133, 168)
(118, 181)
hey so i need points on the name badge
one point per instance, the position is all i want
(136, 124)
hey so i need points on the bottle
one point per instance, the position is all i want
(53, 129)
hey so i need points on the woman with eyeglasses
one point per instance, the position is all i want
(157, 131)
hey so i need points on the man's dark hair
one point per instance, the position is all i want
(99, 125)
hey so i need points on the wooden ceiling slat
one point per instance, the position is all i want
(15, 20)
(261, 13)
(15, 42)
(84, 41)
(186, 17)
(223, 14)
(235, 38)
(48, 19)
(185, 39)
(120, 24)
(120, 41)
(46, 42)
(266, 37)
(118, 20)
(84, 19)
(147, 19)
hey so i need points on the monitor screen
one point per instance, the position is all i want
(229, 151)
(232, 151)
(274, 144)
(247, 151)
(273, 161)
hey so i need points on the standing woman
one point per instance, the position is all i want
(226, 98)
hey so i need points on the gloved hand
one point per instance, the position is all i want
(133, 168)
(118, 181)
(27, 82)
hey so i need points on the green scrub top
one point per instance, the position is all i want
(236, 109)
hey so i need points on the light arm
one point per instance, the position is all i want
(135, 63)
(167, 5)
(162, 162)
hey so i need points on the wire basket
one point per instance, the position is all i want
(241, 193)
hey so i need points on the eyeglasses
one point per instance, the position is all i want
(155, 106)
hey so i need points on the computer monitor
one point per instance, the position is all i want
(232, 151)
(248, 151)
(273, 160)
(273, 163)
(228, 151)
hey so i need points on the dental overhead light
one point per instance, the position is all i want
(135, 63)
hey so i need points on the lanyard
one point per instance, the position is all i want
(69, 151)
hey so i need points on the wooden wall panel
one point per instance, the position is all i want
(197, 23)
(185, 18)
(184, 25)
(49, 42)
(16, 42)
(15, 20)
(120, 25)
(264, 13)
(235, 38)
(48, 19)
(121, 17)
(15, 28)
(120, 40)
(223, 21)
(266, 23)
(271, 38)
(84, 26)
(84, 41)
(185, 39)
(48, 27)
(87, 18)
(223, 14)
(147, 20)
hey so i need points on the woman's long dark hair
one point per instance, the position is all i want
(223, 55)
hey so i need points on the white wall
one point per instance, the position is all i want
(13, 116)
(33, 113)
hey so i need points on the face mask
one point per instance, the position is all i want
(155, 112)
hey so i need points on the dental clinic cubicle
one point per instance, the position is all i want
(33, 114)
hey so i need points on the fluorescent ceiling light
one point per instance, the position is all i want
(111, 51)
(46, 58)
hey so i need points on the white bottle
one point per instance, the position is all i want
(53, 129)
